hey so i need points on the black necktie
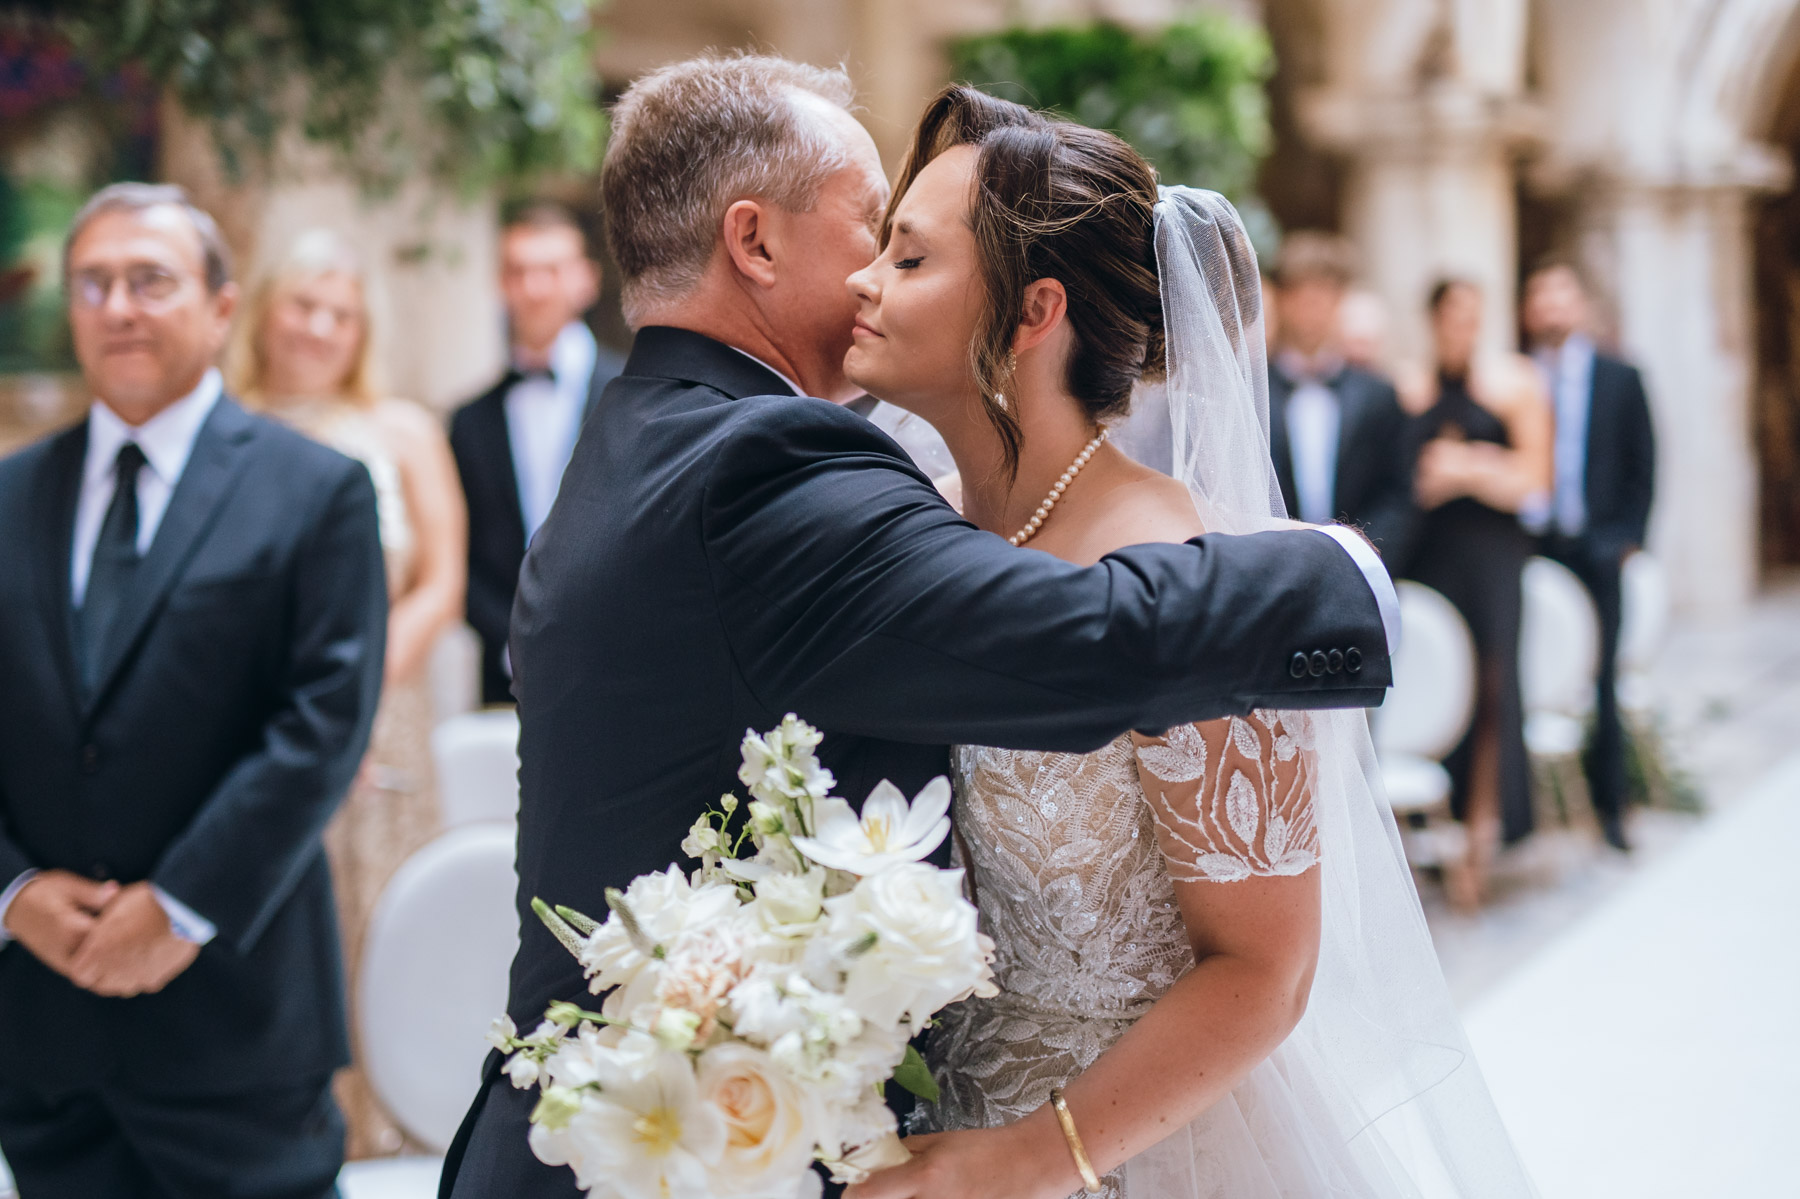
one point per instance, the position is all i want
(115, 562)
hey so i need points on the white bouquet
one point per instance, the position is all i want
(755, 1008)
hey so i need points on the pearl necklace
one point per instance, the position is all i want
(1062, 484)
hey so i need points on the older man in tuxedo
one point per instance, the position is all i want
(1336, 431)
(513, 442)
(192, 613)
(730, 545)
(1599, 506)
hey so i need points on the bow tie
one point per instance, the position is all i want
(516, 375)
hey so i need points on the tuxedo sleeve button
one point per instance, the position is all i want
(1353, 660)
(1297, 666)
(1317, 663)
(1334, 661)
(90, 759)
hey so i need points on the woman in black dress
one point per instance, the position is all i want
(1483, 431)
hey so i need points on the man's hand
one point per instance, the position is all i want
(53, 914)
(131, 950)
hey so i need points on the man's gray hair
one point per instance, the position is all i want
(141, 197)
(689, 140)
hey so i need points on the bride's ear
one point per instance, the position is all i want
(1041, 312)
(748, 234)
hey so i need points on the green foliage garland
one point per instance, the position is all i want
(504, 88)
(1189, 96)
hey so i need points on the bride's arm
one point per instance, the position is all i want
(1244, 860)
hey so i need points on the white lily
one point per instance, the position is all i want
(888, 831)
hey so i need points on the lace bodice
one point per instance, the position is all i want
(1073, 859)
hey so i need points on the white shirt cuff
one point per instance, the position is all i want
(7, 896)
(184, 921)
(1369, 562)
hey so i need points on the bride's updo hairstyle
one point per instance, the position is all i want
(1053, 200)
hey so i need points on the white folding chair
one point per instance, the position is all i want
(434, 975)
(1559, 649)
(477, 760)
(1643, 627)
(1423, 718)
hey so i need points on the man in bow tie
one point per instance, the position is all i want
(1336, 431)
(513, 442)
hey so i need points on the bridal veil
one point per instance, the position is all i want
(1379, 1059)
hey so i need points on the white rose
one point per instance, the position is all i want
(789, 904)
(908, 944)
(769, 1122)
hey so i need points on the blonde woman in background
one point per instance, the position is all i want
(304, 353)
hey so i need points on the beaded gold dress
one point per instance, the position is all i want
(1072, 859)
(392, 808)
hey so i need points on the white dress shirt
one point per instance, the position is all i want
(1314, 417)
(1569, 372)
(543, 421)
(167, 440)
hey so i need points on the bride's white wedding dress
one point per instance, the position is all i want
(1071, 858)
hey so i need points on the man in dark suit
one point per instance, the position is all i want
(513, 442)
(1599, 506)
(726, 549)
(1336, 431)
(192, 615)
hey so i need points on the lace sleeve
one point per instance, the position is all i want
(1232, 798)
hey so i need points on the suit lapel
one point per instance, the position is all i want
(56, 530)
(205, 481)
(498, 435)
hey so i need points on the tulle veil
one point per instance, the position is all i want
(1377, 1082)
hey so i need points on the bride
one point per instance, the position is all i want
(1215, 978)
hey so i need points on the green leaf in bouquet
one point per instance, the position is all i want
(913, 1074)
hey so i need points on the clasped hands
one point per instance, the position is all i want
(106, 938)
(1449, 469)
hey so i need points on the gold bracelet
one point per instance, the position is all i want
(1077, 1150)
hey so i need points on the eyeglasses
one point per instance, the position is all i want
(147, 285)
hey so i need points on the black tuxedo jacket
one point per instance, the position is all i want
(1621, 460)
(1374, 461)
(228, 725)
(484, 458)
(720, 555)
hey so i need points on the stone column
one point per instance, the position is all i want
(1429, 192)
(1673, 260)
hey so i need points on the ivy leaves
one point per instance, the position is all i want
(470, 91)
(1189, 96)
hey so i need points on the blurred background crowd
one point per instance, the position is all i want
(1532, 296)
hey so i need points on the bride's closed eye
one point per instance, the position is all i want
(907, 264)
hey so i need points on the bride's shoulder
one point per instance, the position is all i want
(1142, 506)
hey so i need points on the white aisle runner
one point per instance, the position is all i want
(1654, 1048)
